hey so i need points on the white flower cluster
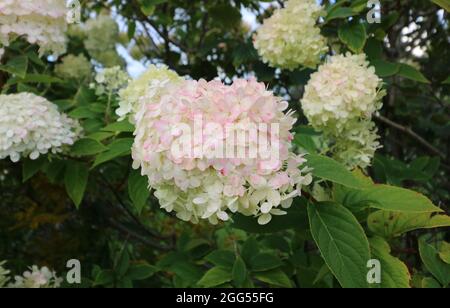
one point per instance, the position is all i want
(210, 187)
(37, 278)
(147, 86)
(340, 100)
(74, 67)
(110, 80)
(40, 22)
(2, 52)
(102, 34)
(30, 126)
(345, 88)
(290, 38)
(357, 144)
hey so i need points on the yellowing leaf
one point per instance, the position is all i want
(444, 252)
(392, 224)
(394, 273)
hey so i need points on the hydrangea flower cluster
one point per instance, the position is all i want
(290, 38)
(345, 88)
(210, 187)
(102, 35)
(340, 100)
(74, 67)
(110, 80)
(147, 86)
(30, 126)
(357, 145)
(40, 22)
(37, 278)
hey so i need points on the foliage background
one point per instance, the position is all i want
(118, 232)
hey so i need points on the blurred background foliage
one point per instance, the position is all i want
(123, 239)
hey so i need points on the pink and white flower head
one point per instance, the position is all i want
(194, 142)
(31, 126)
(37, 278)
(41, 22)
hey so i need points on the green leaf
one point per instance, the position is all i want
(373, 49)
(359, 5)
(123, 263)
(407, 71)
(35, 78)
(148, 10)
(336, 5)
(385, 69)
(264, 262)
(323, 272)
(342, 243)
(84, 96)
(75, 180)
(215, 277)
(118, 148)
(87, 147)
(430, 257)
(188, 272)
(35, 58)
(119, 127)
(31, 167)
(131, 29)
(340, 13)
(353, 35)
(225, 15)
(153, 2)
(141, 271)
(249, 249)
(329, 169)
(148, 7)
(443, 3)
(390, 20)
(97, 108)
(104, 278)
(83, 112)
(444, 252)
(394, 273)
(274, 277)
(17, 66)
(306, 142)
(125, 283)
(446, 81)
(239, 272)
(92, 125)
(393, 224)
(100, 136)
(395, 199)
(222, 258)
(55, 170)
(430, 283)
(138, 190)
